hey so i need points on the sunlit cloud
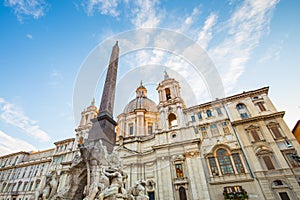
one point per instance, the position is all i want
(10, 114)
(243, 31)
(9, 144)
(205, 35)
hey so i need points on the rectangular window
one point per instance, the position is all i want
(130, 129)
(209, 113)
(238, 163)
(268, 162)
(150, 128)
(292, 160)
(255, 135)
(225, 165)
(213, 166)
(199, 115)
(193, 118)
(30, 187)
(214, 129)
(179, 170)
(203, 131)
(196, 130)
(25, 186)
(219, 111)
(37, 184)
(225, 128)
(261, 106)
(244, 115)
(276, 132)
(284, 196)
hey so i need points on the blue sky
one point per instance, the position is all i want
(45, 44)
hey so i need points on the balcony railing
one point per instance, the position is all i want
(180, 180)
(14, 193)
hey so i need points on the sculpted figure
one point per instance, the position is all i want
(53, 184)
(46, 190)
(116, 180)
(138, 191)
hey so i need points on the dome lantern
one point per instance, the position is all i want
(141, 91)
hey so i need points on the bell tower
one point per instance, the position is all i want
(87, 115)
(171, 104)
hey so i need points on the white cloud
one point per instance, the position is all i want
(22, 8)
(10, 114)
(244, 30)
(142, 13)
(29, 36)
(205, 35)
(188, 21)
(145, 14)
(229, 43)
(11, 145)
(105, 7)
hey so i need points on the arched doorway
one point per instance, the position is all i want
(182, 193)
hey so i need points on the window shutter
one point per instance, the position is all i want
(268, 162)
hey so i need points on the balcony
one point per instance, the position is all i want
(181, 180)
(14, 193)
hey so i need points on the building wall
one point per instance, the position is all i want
(241, 140)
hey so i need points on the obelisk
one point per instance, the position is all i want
(104, 125)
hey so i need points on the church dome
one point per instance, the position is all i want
(141, 101)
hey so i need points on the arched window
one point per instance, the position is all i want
(224, 162)
(168, 93)
(209, 113)
(172, 120)
(182, 193)
(242, 109)
(277, 183)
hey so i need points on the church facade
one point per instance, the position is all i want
(238, 147)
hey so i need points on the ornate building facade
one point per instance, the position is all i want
(236, 147)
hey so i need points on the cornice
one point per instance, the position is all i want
(258, 118)
(26, 164)
(14, 154)
(180, 143)
(65, 141)
(251, 93)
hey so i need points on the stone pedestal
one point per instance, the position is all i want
(103, 129)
